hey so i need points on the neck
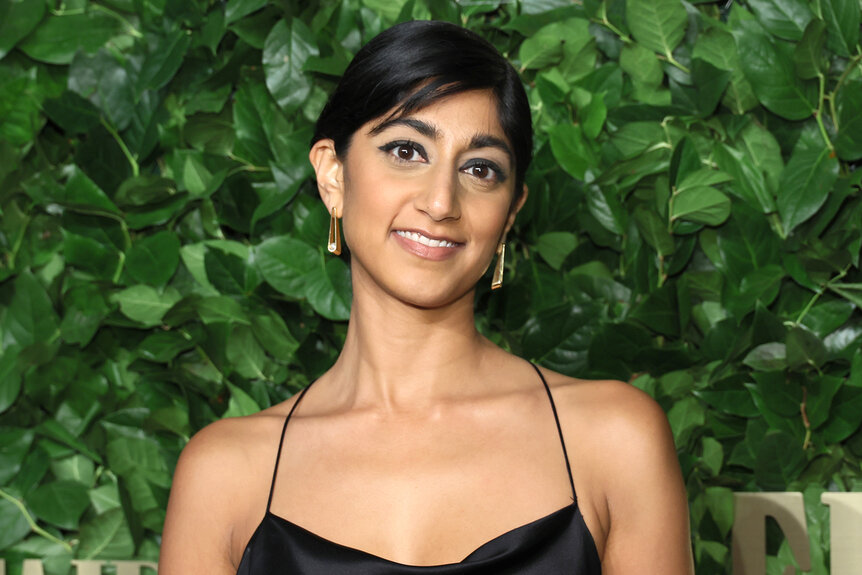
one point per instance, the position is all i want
(398, 357)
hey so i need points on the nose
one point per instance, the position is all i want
(439, 198)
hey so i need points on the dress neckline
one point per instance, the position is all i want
(568, 511)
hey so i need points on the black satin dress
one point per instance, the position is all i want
(555, 544)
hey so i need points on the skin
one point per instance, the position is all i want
(425, 440)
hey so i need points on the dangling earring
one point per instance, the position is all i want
(497, 278)
(334, 243)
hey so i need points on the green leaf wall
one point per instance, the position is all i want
(694, 227)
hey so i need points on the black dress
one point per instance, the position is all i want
(555, 544)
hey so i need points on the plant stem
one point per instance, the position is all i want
(607, 24)
(818, 114)
(671, 60)
(132, 161)
(35, 527)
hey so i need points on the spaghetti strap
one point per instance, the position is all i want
(281, 443)
(559, 431)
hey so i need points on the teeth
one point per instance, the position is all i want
(417, 237)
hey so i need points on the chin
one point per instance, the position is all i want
(427, 295)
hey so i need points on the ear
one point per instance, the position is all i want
(516, 207)
(330, 174)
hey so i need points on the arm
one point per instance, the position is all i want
(198, 527)
(646, 498)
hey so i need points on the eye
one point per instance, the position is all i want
(405, 151)
(484, 170)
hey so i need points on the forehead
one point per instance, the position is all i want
(460, 116)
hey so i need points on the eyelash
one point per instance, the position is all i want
(391, 147)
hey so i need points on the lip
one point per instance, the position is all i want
(433, 253)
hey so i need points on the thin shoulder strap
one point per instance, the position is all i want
(559, 430)
(280, 444)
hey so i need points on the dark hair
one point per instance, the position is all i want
(413, 64)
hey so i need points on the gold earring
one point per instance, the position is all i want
(334, 243)
(497, 278)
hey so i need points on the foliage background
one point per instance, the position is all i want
(694, 226)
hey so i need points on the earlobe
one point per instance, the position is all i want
(516, 207)
(328, 170)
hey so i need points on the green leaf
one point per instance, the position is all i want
(641, 64)
(703, 205)
(59, 37)
(659, 311)
(17, 19)
(713, 455)
(767, 357)
(246, 355)
(545, 47)
(808, 55)
(85, 308)
(154, 259)
(164, 60)
(571, 149)
(13, 525)
(10, 378)
(606, 208)
(717, 47)
(53, 429)
(163, 346)
(804, 349)
(719, 501)
(60, 503)
(14, 445)
(76, 468)
(128, 456)
(658, 25)
(805, 184)
(240, 403)
(286, 263)
(237, 9)
(144, 191)
(220, 309)
(561, 334)
(749, 181)
(81, 191)
(685, 416)
(144, 304)
(769, 68)
(842, 22)
(554, 247)
(786, 19)
(230, 274)
(780, 460)
(654, 231)
(286, 50)
(329, 290)
(106, 536)
(272, 333)
(105, 81)
(31, 317)
(848, 143)
(845, 417)
(849, 291)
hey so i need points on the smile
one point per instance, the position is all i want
(419, 238)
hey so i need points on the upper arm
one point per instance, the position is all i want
(646, 497)
(198, 526)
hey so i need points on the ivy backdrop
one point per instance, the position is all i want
(694, 226)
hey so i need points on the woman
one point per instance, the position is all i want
(426, 448)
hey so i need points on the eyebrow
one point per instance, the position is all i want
(431, 131)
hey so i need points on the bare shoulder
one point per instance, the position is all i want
(219, 492)
(621, 416)
(622, 436)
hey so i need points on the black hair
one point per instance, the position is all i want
(413, 64)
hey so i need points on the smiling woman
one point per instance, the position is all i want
(426, 448)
